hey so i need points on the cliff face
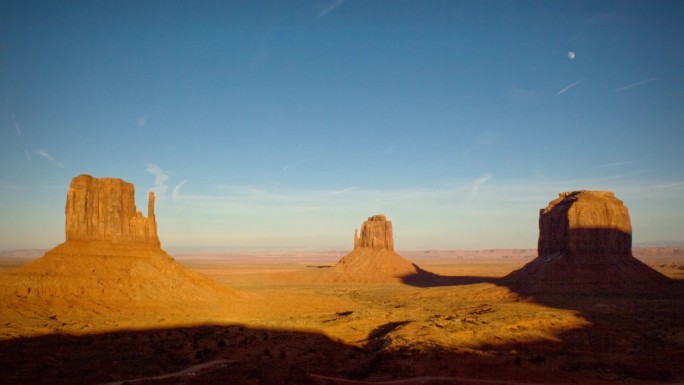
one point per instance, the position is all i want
(376, 233)
(585, 246)
(103, 209)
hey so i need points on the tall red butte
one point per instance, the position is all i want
(373, 258)
(111, 252)
(585, 246)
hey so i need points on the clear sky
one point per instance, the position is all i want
(282, 125)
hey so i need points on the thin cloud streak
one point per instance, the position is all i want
(175, 193)
(637, 84)
(329, 7)
(345, 190)
(474, 186)
(564, 90)
(501, 209)
(616, 164)
(48, 157)
(667, 185)
(16, 124)
(160, 177)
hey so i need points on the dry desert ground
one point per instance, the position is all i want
(286, 318)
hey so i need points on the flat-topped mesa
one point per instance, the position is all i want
(376, 233)
(585, 223)
(585, 246)
(103, 209)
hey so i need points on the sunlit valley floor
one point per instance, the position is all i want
(285, 320)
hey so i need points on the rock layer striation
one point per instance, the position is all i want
(585, 246)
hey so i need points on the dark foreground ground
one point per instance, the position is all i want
(637, 340)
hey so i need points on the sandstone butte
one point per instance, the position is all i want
(585, 246)
(373, 258)
(111, 252)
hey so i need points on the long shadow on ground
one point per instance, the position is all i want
(424, 278)
(630, 339)
(635, 338)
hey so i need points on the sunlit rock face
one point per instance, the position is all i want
(585, 246)
(103, 209)
(376, 233)
(112, 252)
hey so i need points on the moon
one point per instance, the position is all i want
(571, 55)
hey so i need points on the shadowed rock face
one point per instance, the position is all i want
(103, 209)
(585, 246)
(585, 223)
(376, 233)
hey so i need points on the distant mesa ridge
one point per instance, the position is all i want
(585, 246)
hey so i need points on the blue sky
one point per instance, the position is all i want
(270, 125)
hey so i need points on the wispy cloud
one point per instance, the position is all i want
(668, 185)
(616, 164)
(564, 90)
(282, 215)
(16, 124)
(474, 186)
(487, 139)
(504, 214)
(142, 121)
(28, 156)
(41, 152)
(160, 177)
(342, 191)
(328, 7)
(175, 193)
(637, 84)
(523, 97)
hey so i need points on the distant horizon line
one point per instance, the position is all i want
(228, 250)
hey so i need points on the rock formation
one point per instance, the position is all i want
(104, 210)
(585, 246)
(376, 233)
(112, 252)
(373, 258)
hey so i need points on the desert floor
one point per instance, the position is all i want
(287, 321)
